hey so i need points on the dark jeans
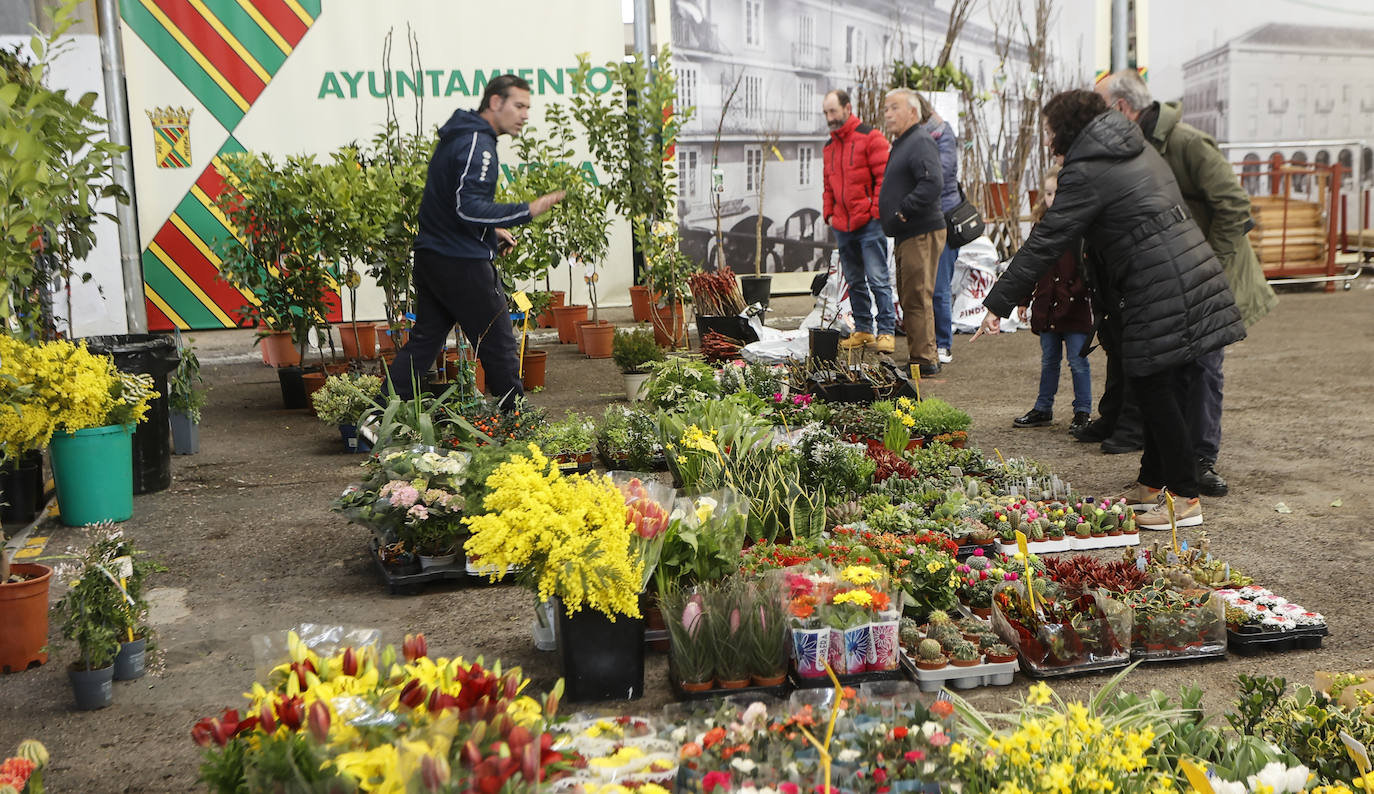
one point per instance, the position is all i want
(1204, 406)
(1053, 347)
(944, 278)
(863, 260)
(1168, 460)
(467, 292)
(1118, 408)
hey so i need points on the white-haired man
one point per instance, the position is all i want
(1221, 208)
(909, 208)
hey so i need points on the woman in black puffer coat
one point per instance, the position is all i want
(1151, 268)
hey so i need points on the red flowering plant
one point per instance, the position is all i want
(905, 741)
(25, 768)
(359, 719)
(647, 508)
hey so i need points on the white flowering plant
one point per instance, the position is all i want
(413, 495)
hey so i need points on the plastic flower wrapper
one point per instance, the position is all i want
(647, 506)
(767, 632)
(1087, 632)
(692, 648)
(806, 588)
(705, 536)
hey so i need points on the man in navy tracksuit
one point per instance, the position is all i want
(462, 231)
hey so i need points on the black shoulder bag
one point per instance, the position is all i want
(963, 224)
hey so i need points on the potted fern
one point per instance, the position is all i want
(186, 396)
(632, 352)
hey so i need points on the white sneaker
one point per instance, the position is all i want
(944, 355)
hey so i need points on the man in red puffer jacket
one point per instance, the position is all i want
(855, 158)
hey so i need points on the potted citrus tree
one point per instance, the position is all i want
(634, 351)
(186, 395)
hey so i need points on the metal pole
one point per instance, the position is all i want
(644, 46)
(1120, 32)
(117, 110)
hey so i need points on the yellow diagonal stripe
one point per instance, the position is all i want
(252, 11)
(232, 41)
(300, 12)
(175, 269)
(219, 215)
(199, 57)
(165, 308)
(209, 254)
(28, 553)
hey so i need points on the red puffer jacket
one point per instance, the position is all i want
(855, 158)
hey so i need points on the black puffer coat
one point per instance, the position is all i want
(1153, 267)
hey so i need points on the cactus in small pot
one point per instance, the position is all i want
(930, 656)
(1000, 652)
(965, 654)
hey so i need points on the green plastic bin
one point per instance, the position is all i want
(94, 472)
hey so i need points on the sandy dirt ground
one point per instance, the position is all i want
(251, 546)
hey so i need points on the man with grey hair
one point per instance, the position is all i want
(909, 208)
(1221, 208)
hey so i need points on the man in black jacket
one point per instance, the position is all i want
(462, 231)
(909, 208)
(1151, 266)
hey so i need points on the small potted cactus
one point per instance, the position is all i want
(930, 656)
(1000, 652)
(964, 654)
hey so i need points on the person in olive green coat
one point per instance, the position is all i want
(1221, 208)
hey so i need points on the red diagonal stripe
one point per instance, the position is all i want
(194, 264)
(157, 321)
(288, 25)
(211, 181)
(189, 21)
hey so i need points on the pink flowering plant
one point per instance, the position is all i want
(411, 495)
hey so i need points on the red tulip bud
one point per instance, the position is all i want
(350, 662)
(291, 712)
(319, 721)
(507, 725)
(266, 720)
(471, 755)
(413, 693)
(434, 772)
(518, 737)
(529, 763)
(202, 733)
(414, 647)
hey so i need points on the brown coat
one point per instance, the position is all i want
(1062, 301)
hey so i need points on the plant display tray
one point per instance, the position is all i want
(1074, 544)
(1037, 671)
(778, 691)
(985, 674)
(413, 583)
(849, 679)
(967, 550)
(1303, 639)
(1214, 650)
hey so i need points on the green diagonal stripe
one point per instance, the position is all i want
(312, 7)
(171, 290)
(180, 62)
(249, 34)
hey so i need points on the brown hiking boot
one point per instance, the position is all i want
(856, 339)
(885, 343)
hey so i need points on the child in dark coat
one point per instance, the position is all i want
(1061, 315)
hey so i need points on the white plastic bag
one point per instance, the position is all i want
(975, 271)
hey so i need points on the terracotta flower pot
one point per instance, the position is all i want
(695, 686)
(384, 343)
(739, 684)
(535, 363)
(281, 351)
(566, 318)
(924, 665)
(670, 325)
(768, 680)
(597, 339)
(24, 613)
(999, 659)
(359, 340)
(641, 305)
(314, 381)
(577, 333)
(965, 662)
(480, 377)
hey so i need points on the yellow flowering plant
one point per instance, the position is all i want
(359, 720)
(60, 386)
(571, 535)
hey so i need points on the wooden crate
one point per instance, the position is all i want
(1289, 236)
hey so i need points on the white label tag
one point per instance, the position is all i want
(123, 567)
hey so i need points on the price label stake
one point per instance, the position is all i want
(1196, 776)
(1030, 570)
(522, 302)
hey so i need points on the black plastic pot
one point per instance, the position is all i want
(353, 441)
(132, 660)
(600, 660)
(93, 689)
(737, 328)
(756, 289)
(292, 387)
(155, 355)
(825, 344)
(21, 481)
(185, 434)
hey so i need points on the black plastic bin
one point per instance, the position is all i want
(155, 355)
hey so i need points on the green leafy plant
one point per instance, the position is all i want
(678, 382)
(572, 435)
(344, 398)
(57, 164)
(186, 392)
(106, 601)
(766, 631)
(632, 350)
(692, 647)
(628, 439)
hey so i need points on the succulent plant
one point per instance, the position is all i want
(909, 633)
(1000, 649)
(988, 641)
(978, 563)
(938, 617)
(929, 651)
(964, 651)
(946, 634)
(844, 513)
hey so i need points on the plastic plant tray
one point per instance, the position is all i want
(985, 674)
(1214, 650)
(1308, 638)
(1074, 544)
(849, 679)
(1036, 671)
(412, 583)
